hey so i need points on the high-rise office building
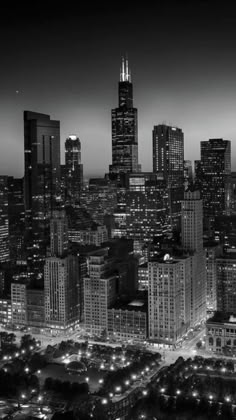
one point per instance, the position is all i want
(142, 213)
(214, 173)
(16, 213)
(99, 199)
(72, 171)
(125, 127)
(226, 282)
(61, 279)
(99, 292)
(188, 173)
(4, 221)
(42, 179)
(168, 158)
(213, 250)
(192, 242)
(169, 293)
(58, 233)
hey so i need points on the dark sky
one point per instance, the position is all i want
(65, 61)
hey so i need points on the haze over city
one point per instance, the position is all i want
(66, 62)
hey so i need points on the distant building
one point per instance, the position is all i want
(4, 220)
(124, 128)
(188, 173)
(168, 159)
(99, 199)
(95, 235)
(42, 181)
(5, 311)
(233, 192)
(143, 277)
(213, 178)
(213, 250)
(225, 230)
(19, 304)
(72, 171)
(16, 213)
(142, 212)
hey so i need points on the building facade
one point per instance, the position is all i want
(226, 282)
(221, 334)
(168, 158)
(100, 289)
(42, 180)
(4, 220)
(128, 322)
(169, 294)
(19, 304)
(192, 242)
(214, 174)
(72, 171)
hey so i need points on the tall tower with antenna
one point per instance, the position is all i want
(125, 127)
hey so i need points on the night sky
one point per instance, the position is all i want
(65, 62)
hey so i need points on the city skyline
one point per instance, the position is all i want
(67, 67)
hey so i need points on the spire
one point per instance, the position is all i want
(125, 74)
(122, 70)
(127, 70)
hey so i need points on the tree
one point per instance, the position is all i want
(199, 344)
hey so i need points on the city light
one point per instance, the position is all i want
(104, 401)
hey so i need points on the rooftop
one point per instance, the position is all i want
(223, 318)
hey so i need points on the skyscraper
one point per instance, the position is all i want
(124, 127)
(142, 214)
(192, 242)
(72, 171)
(4, 222)
(168, 158)
(61, 279)
(215, 170)
(169, 292)
(16, 213)
(42, 176)
(99, 291)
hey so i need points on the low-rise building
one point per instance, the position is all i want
(221, 333)
(128, 320)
